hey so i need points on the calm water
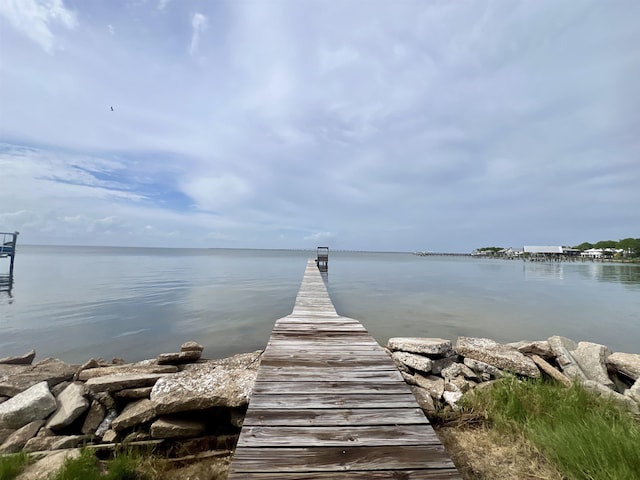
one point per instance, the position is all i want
(78, 302)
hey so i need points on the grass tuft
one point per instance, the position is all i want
(12, 465)
(84, 467)
(124, 466)
(585, 436)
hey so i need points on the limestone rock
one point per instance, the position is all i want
(136, 437)
(191, 346)
(5, 433)
(626, 363)
(484, 369)
(86, 374)
(622, 400)
(411, 360)
(51, 370)
(57, 442)
(399, 365)
(71, 404)
(134, 413)
(35, 403)
(440, 364)
(134, 393)
(462, 383)
(224, 383)
(113, 383)
(432, 384)
(105, 399)
(409, 378)
(452, 371)
(89, 364)
(45, 467)
(562, 348)
(500, 356)
(25, 359)
(424, 399)
(437, 347)
(540, 348)
(171, 428)
(94, 418)
(592, 358)
(550, 370)
(110, 436)
(20, 437)
(188, 356)
(634, 392)
(57, 390)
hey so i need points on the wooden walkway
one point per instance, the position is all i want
(329, 403)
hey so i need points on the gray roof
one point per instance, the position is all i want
(545, 249)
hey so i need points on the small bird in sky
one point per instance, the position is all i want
(112, 109)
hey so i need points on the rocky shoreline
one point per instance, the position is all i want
(52, 406)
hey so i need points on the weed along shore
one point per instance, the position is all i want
(180, 414)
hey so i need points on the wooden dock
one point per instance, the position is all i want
(329, 403)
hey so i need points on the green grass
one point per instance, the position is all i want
(12, 465)
(585, 436)
(124, 466)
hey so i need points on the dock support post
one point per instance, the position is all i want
(13, 255)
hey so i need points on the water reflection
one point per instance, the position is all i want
(625, 274)
(543, 270)
(6, 286)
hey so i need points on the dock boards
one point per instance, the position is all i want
(329, 403)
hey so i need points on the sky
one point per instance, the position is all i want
(361, 125)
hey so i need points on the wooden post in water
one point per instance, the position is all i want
(13, 254)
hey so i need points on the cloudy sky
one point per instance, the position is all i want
(369, 125)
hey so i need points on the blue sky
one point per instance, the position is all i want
(369, 125)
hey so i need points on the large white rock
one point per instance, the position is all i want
(35, 403)
(220, 383)
(20, 437)
(411, 360)
(626, 363)
(562, 348)
(113, 383)
(134, 413)
(592, 359)
(71, 404)
(622, 400)
(175, 428)
(439, 347)
(500, 356)
(634, 392)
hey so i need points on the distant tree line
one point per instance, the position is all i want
(631, 246)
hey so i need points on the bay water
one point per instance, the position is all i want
(75, 303)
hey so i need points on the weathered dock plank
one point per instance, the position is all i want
(328, 402)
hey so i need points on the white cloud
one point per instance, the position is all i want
(35, 19)
(162, 4)
(198, 24)
(110, 29)
(321, 236)
(212, 194)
